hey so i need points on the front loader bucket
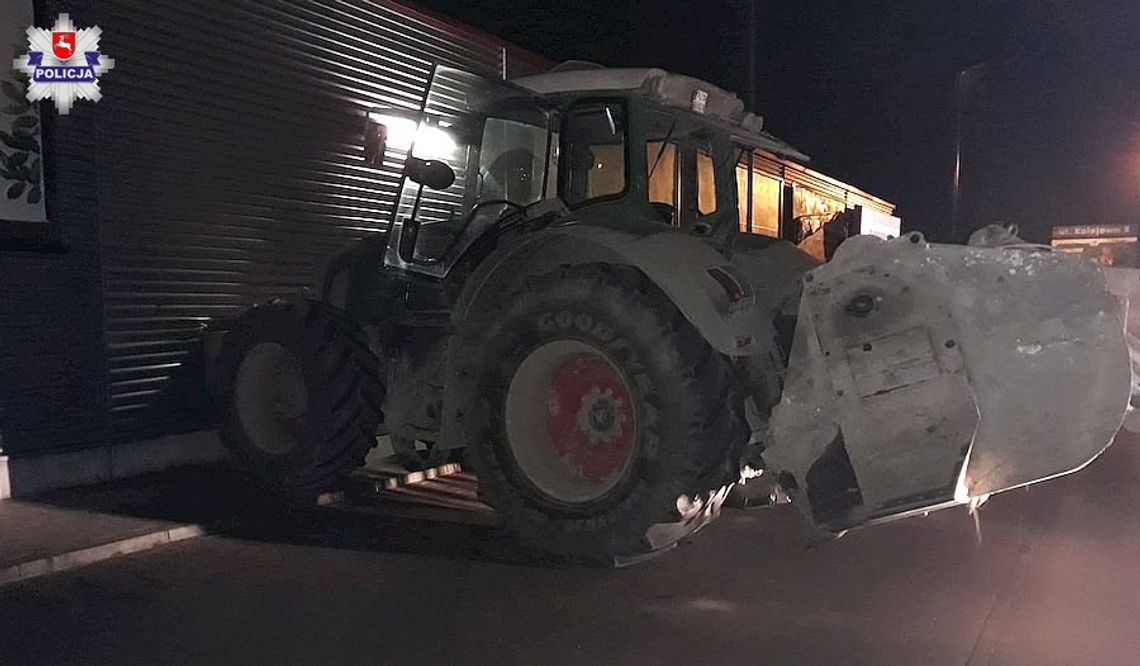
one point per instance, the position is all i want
(930, 375)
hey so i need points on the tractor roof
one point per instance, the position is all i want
(673, 90)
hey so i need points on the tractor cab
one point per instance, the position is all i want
(477, 151)
(674, 152)
(636, 150)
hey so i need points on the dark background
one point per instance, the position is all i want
(1051, 122)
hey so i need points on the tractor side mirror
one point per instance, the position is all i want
(432, 174)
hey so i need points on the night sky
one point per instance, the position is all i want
(1051, 120)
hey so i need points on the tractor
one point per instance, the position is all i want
(563, 297)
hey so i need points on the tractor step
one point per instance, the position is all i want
(446, 494)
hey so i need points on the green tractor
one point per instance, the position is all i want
(563, 296)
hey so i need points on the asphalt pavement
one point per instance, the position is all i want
(1048, 575)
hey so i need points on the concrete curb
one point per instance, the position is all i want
(85, 556)
(33, 474)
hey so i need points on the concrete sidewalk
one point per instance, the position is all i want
(64, 529)
(38, 539)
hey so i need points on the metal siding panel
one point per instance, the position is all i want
(230, 166)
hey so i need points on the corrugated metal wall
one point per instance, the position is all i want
(230, 166)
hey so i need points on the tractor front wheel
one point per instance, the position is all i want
(301, 396)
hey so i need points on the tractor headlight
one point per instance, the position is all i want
(402, 133)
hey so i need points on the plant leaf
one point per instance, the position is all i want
(25, 121)
(16, 159)
(34, 194)
(34, 176)
(22, 140)
(16, 109)
(12, 91)
(16, 190)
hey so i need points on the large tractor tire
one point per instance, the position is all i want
(301, 396)
(595, 407)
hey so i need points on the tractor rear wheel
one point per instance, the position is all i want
(596, 406)
(301, 396)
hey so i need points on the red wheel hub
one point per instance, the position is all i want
(590, 418)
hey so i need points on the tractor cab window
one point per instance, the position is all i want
(593, 153)
(500, 160)
(706, 183)
(663, 162)
(513, 160)
(681, 169)
(759, 195)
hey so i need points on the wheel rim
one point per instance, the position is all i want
(571, 421)
(271, 398)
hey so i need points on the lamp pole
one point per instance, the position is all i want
(961, 81)
(752, 55)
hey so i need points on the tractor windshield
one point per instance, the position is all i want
(496, 143)
(513, 159)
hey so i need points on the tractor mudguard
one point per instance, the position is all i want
(679, 264)
(695, 277)
(924, 376)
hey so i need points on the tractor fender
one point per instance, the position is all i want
(351, 279)
(679, 264)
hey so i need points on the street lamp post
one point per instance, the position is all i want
(961, 81)
(752, 55)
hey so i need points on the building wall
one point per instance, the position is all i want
(223, 166)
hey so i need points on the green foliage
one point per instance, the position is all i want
(20, 162)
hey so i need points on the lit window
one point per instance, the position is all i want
(706, 184)
(766, 193)
(661, 160)
(593, 148)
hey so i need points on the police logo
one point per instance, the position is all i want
(64, 64)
